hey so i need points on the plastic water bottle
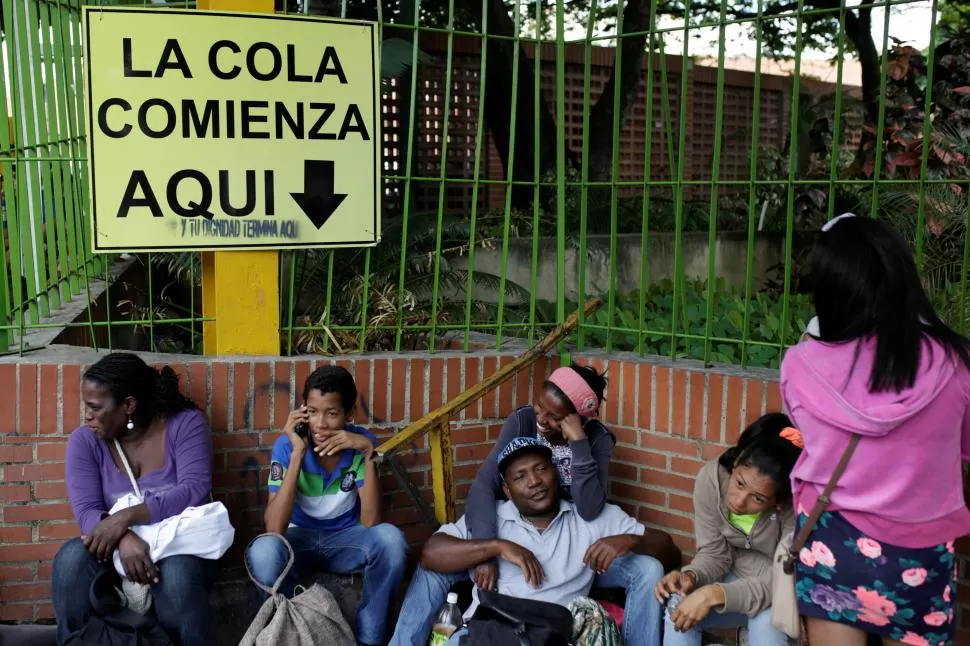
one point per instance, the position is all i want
(448, 621)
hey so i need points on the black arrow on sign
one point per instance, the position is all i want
(318, 200)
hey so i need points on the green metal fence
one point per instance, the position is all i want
(537, 154)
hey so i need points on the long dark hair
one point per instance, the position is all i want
(864, 283)
(125, 375)
(762, 447)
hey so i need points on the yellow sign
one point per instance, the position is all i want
(211, 130)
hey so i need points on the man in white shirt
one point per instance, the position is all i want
(545, 551)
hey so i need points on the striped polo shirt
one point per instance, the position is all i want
(324, 500)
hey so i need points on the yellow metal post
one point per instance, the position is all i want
(240, 289)
(442, 483)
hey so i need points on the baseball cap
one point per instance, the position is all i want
(519, 446)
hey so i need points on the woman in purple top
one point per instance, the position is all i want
(165, 439)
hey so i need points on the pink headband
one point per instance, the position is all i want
(583, 398)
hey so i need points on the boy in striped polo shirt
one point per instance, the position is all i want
(325, 497)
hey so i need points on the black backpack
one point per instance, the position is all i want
(510, 621)
(111, 623)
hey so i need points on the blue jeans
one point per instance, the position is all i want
(635, 573)
(380, 552)
(180, 598)
(760, 630)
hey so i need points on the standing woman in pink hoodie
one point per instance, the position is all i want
(883, 366)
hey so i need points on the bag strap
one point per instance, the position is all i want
(820, 505)
(131, 474)
(286, 570)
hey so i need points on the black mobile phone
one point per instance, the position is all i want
(303, 430)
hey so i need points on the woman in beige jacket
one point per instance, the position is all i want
(742, 508)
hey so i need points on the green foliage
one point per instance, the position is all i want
(765, 332)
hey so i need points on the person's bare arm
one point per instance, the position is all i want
(443, 553)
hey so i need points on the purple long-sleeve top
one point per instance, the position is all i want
(95, 483)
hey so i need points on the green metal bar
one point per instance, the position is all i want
(441, 187)
(752, 190)
(715, 190)
(536, 170)
(477, 174)
(679, 187)
(584, 176)
(837, 123)
(927, 138)
(407, 185)
(510, 171)
(881, 125)
(365, 296)
(560, 165)
(647, 184)
(614, 172)
(792, 166)
(328, 311)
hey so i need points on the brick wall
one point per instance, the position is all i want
(668, 418)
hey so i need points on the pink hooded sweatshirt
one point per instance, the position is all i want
(904, 483)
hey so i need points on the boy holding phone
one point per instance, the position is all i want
(325, 497)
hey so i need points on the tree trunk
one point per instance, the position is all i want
(629, 58)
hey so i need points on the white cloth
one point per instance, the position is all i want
(203, 531)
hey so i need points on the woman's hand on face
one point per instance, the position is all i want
(345, 440)
(571, 427)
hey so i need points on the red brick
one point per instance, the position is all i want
(625, 471)
(614, 374)
(684, 542)
(679, 402)
(477, 452)
(43, 611)
(362, 380)
(773, 403)
(685, 466)
(469, 435)
(696, 415)
(16, 611)
(48, 399)
(51, 451)
(645, 396)
(490, 400)
(522, 395)
(220, 397)
(236, 440)
(417, 389)
(15, 534)
(49, 491)
(639, 457)
(24, 592)
(399, 369)
(33, 472)
(636, 492)
(378, 402)
(16, 453)
(9, 573)
(506, 396)
(281, 395)
(752, 410)
(262, 386)
(678, 502)
(672, 444)
(58, 532)
(28, 399)
(712, 451)
(238, 461)
(44, 571)
(15, 493)
(625, 435)
(732, 428)
(436, 383)
(629, 407)
(8, 384)
(71, 396)
(181, 371)
(199, 384)
(666, 520)
(715, 408)
(465, 471)
(453, 387)
(241, 407)
(27, 513)
(301, 370)
(540, 372)
(656, 478)
(662, 404)
(472, 378)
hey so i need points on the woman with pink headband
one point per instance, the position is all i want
(564, 418)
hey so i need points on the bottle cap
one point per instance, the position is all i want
(452, 597)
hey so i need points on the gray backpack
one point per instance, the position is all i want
(311, 618)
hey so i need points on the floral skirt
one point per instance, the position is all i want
(904, 594)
